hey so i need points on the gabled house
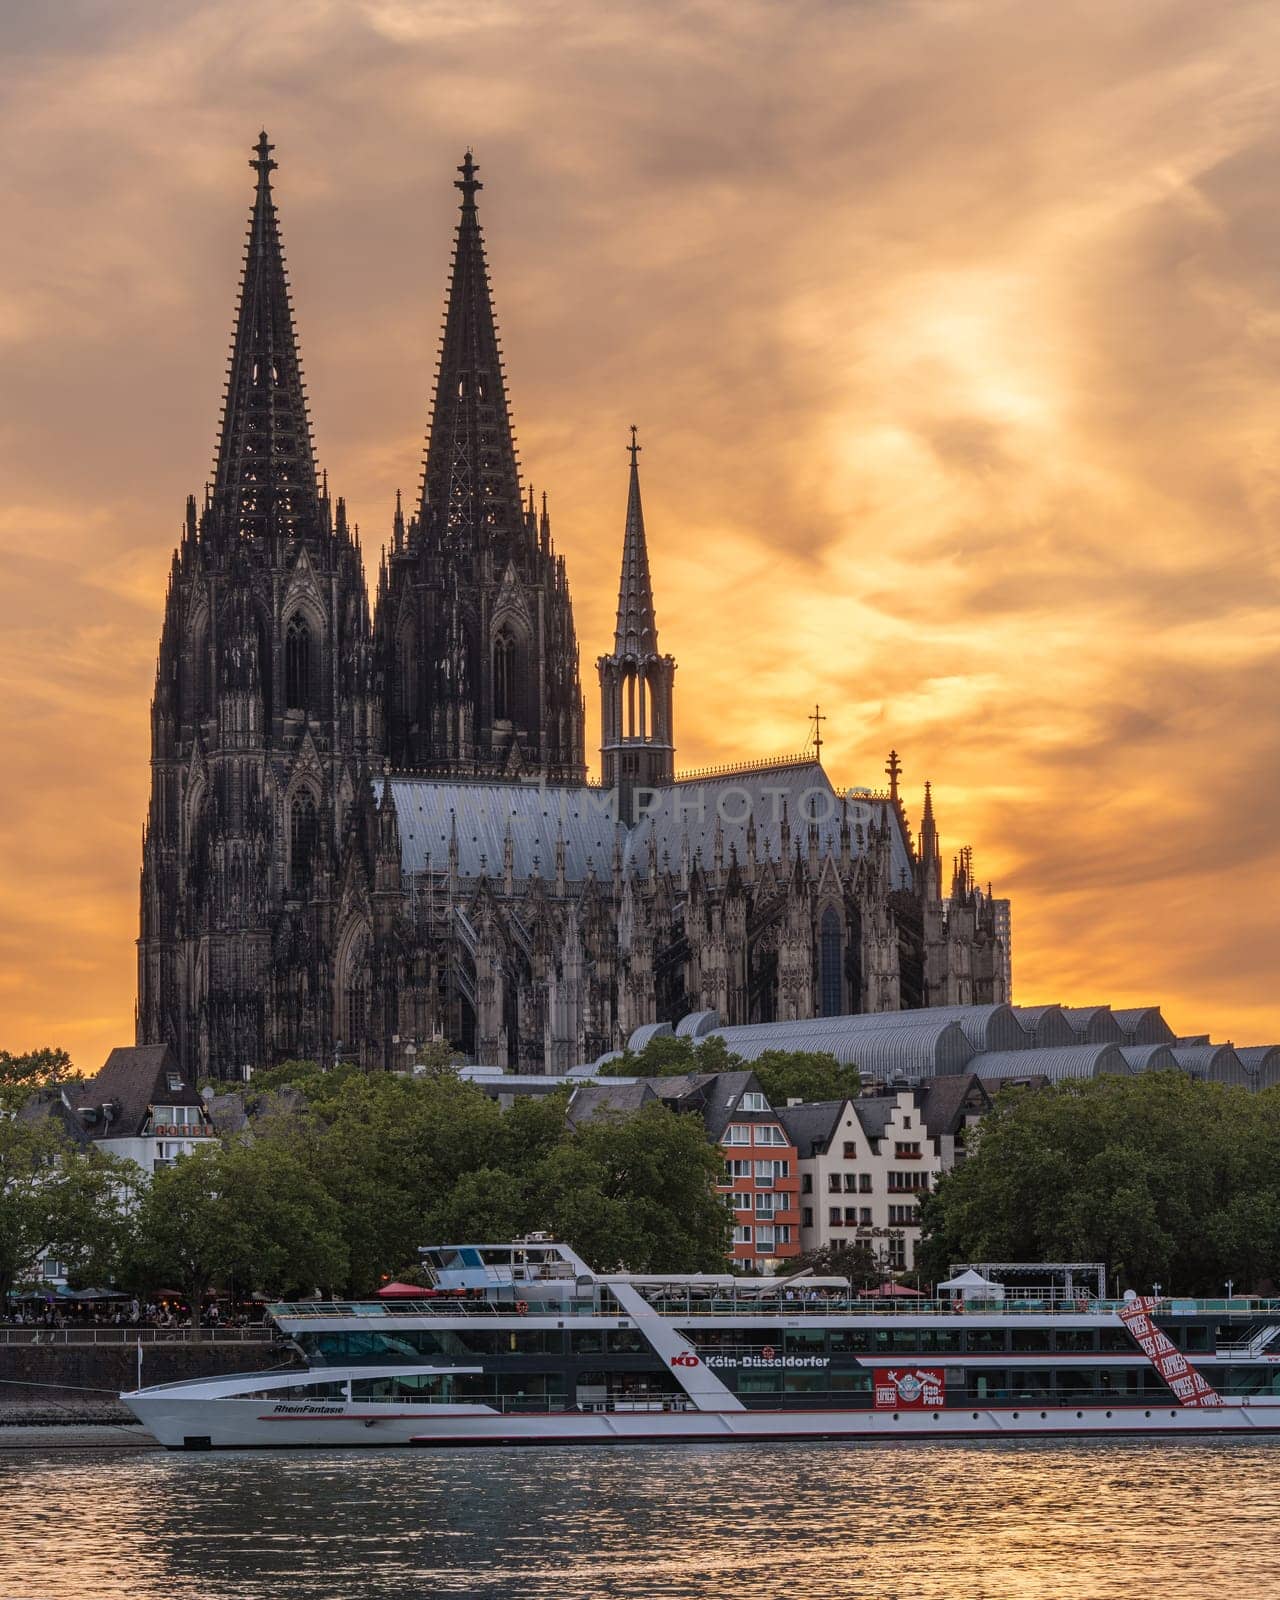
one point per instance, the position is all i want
(864, 1163)
(143, 1107)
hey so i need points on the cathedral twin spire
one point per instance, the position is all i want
(265, 472)
(471, 481)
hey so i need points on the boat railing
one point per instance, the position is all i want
(755, 1304)
(259, 1334)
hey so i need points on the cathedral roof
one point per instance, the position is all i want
(429, 810)
(870, 1041)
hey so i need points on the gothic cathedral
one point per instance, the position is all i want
(368, 833)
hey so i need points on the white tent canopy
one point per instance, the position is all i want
(971, 1283)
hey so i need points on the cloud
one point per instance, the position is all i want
(952, 332)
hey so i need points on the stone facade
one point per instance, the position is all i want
(368, 833)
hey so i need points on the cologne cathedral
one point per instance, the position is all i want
(368, 832)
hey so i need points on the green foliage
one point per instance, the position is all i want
(784, 1074)
(637, 1191)
(1165, 1179)
(856, 1261)
(244, 1217)
(56, 1198)
(804, 1075)
(22, 1073)
(669, 1057)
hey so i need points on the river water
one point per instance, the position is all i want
(1001, 1521)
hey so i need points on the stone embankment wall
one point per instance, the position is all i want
(79, 1382)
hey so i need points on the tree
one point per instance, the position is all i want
(669, 1057)
(244, 1217)
(804, 1075)
(857, 1261)
(637, 1192)
(24, 1072)
(58, 1200)
(1163, 1178)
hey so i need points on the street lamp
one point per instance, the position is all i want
(1155, 1289)
(1231, 1283)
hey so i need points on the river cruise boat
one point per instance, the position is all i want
(522, 1344)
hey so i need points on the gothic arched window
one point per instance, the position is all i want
(297, 664)
(504, 677)
(357, 1001)
(303, 831)
(831, 988)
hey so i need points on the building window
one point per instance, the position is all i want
(906, 1152)
(851, 1216)
(851, 1183)
(742, 1235)
(806, 1217)
(303, 829)
(834, 1183)
(783, 1233)
(357, 1006)
(864, 1217)
(738, 1133)
(829, 961)
(835, 1217)
(850, 1150)
(504, 677)
(767, 1133)
(864, 1183)
(764, 1238)
(753, 1101)
(741, 1200)
(806, 1183)
(909, 1182)
(297, 664)
(739, 1169)
(897, 1253)
(903, 1216)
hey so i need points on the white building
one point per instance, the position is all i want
(142, 1107)
(864, 1163)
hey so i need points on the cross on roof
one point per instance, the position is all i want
(633, 447)
(264, 163)
(468, 182)
(817, 718)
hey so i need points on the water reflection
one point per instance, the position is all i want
(990, 1520)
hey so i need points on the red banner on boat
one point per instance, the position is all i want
(1187, 1384)
(909, 1388)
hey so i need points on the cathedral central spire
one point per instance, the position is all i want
(471, 483)
(265, 472)
(636, 632)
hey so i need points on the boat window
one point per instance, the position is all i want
(1073, 1339)
(805, 1339)
(987, 1385)
(1030, 1383)
(403, 1386)
(855, 1341)
(1196, 1336)
(588, 1341)
(940, 1340)
(851, 1382)
(758, 1382)
(983, 1339)
(626, 1342)
(300, 1391)
(804, 1382)
(1030, 1339)
(1116, 1341)
(1241, 1379)
(892, 1340)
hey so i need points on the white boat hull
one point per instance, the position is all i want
(249, 1424)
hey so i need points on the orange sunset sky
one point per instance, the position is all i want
(953, 335)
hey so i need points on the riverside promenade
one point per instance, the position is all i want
(60, 1378)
